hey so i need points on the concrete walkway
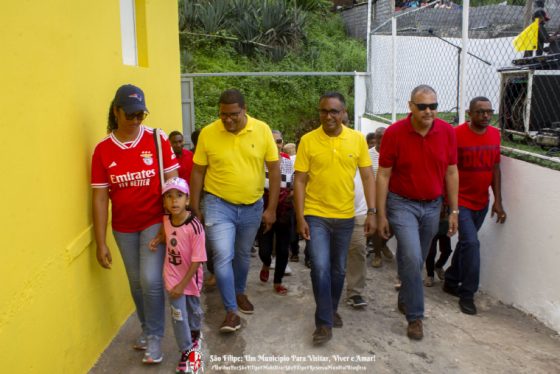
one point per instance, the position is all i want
(277, 337)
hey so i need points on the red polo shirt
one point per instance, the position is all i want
(418, 163)
(185, 165)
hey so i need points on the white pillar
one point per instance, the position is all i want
(464, 62)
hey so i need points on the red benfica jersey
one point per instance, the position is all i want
(478, 155)
(130, 171)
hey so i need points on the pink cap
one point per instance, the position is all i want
(175, 183)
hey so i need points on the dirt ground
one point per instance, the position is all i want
(277, 337)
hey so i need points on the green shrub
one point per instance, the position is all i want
(285, 103)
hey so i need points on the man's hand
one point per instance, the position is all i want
(104, 256)
(453, 224)
(498, 209)
(268, 219)
(370, 225)
(303, 229)
(198, 214)
(383, 228)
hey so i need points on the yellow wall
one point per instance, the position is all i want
(60, 64)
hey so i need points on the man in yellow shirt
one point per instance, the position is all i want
(229, 164)
(326, 163)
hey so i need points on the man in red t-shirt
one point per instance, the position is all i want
(184, 157)
(418, 156)
(479, 168)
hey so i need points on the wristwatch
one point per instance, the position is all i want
(453, 212)
(371, 211)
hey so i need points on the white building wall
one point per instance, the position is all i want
(427, 60)
(520, 260)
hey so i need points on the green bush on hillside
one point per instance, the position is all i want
(285, 103)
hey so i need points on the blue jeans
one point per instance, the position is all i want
(144, 270)
(230, 232)
(186, 315)
(464, 272)
(414, 224)
(328, 249)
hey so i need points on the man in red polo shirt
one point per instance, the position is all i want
(479, 168)
(418, 155)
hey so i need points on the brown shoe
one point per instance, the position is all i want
(337, 320)
(377, 261)
(414, 330)
(322, 334)
(387, 252)
(244, 305)
(231, 323)
(402, 308)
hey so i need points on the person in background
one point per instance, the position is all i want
(379, 244)
(184, 156)
(124, 170)
(444, 242)
(370, 139)
(279, 234)
(479, 168)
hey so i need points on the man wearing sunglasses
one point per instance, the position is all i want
(418, 158)
(229, 164)
(479, 168)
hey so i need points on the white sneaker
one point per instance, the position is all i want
(288, 271)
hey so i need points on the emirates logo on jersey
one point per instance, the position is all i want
(147, 157)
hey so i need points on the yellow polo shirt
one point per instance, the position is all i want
(235, 162)
(331, 163)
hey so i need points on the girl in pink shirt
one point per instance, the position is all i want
(182, 270)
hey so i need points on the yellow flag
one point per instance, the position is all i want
(527, 40)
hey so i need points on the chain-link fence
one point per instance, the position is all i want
(423, 45)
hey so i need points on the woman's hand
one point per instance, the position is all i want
(104, 256)
(155, 242)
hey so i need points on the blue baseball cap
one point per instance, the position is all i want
(131, 99)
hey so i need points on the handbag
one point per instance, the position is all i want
(159, 157)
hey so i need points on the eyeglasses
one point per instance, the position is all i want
(482, 112)
(232, 115)
(140, 116)
(279, 141)
(332, 112)
(422, 107)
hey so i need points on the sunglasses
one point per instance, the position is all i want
(139, 115)
(421, 107)
(279, 141)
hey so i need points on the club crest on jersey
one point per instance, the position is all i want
(147, 157)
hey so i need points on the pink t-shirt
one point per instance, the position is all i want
(185, 245)
(130, 172)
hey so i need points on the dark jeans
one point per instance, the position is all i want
(464, 272)
(444, 253)
(280, 232)
(414, 224)
(294, 236)
(328, 250)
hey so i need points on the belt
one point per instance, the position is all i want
(421, 200)
(224, 200)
